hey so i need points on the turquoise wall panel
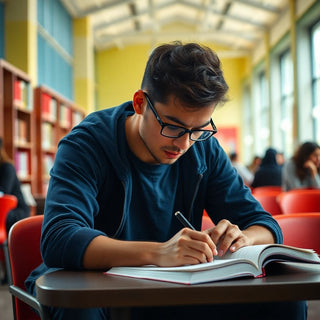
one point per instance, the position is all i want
(55, 47)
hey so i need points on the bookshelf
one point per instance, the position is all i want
(17, 120)
(54, 116)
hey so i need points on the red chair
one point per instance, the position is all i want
(266, 189)
(206, 222)
(300, 230)
(300, 200)
(7, 203)
(269, 202)
(23, 255)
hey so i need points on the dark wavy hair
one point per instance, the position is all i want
(190, 72)
(301, 156)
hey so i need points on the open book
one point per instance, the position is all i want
(247, 261)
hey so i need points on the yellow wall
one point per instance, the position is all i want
(20, 35)
(84, 64)
(119, 73)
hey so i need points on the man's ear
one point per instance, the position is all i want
(139, 101)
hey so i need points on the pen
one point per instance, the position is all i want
(183, 220)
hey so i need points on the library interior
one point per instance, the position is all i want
(61, 60)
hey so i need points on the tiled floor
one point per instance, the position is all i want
(6, 306)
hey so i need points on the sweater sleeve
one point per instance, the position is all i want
(71, 203)
(228, 198)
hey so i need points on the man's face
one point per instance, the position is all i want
(164, 150)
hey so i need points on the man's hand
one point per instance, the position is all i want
(312, 167)
(187, 247)
(228, 236)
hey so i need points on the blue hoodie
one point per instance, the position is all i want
(93, 191)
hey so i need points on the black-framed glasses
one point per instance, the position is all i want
(172, 131)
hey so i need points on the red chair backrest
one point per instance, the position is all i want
(7, 203)
(265, 189)
(24, 253)
(295, 201)
(206, 222)
(269, 202)
(301, 230)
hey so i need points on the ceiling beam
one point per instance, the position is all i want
(265, 7)
(226, 16)
(202, 36)
(129, 18)
(100, 26)
(97, 8)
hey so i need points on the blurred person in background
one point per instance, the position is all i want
(303, 169)
(246, 175)
(255, 164)
(280, 158)
(269, 172)
(10, 184)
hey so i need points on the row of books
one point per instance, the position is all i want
(49, 111)
(22, 164)
(22, 95)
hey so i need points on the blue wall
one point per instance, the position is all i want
(55, 47)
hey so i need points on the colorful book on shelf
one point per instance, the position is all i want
(76, 118)
(22, 95)
(21, 161)
(65, 116)
(21, 131)
(17, 94)
(48, 107)
(47, 139)
(248, 261)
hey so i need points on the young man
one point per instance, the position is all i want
(121, 174)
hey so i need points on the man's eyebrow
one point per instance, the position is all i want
(174, 119)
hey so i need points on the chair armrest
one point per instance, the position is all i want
(29, 300)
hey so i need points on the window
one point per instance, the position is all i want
(263, 132)
(315, 56)
(286, 102)
(247, 129)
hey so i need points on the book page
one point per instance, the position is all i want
(251, 253)
(263, 252)
(215, 264)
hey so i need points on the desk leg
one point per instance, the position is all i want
(120, 313)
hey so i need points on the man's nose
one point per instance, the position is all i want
(183, 142)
